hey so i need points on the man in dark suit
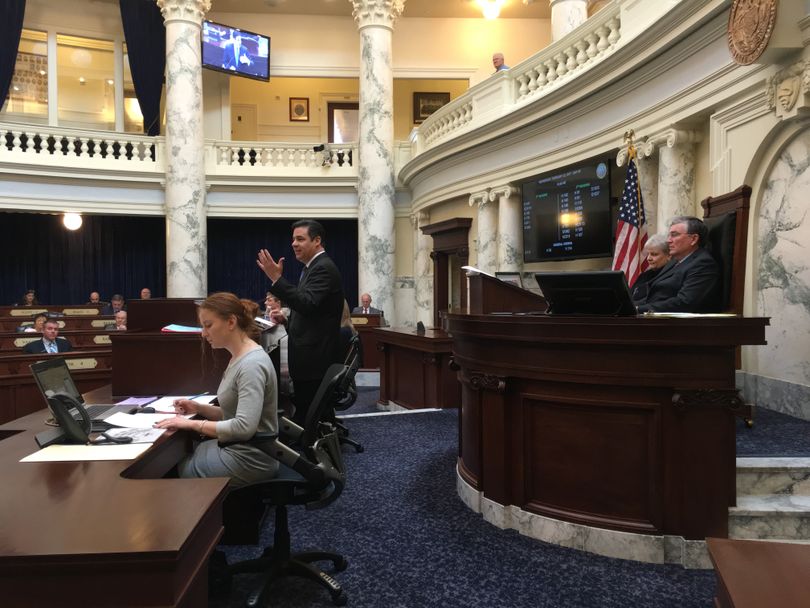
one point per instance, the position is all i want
(116, 304)
(690, 282)
(316, 306)
(365, 307)
(235, 53)
(50, 342)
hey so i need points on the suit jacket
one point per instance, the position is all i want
(108, 310)
(691, 286)
(229, 59)
(358, 310)
(38, 346)
(313, 327)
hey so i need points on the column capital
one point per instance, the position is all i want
(192, 11)
(788, 90)
(506, 190)
(420, 218)
(380, 13)
(479, 198)
(668, 137)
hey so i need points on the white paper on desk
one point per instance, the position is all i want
(73, 453)
(165, 404)
(138, 421)
(138, 435)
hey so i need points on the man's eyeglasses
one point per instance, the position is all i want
(675, 235)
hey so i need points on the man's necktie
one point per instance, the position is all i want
(51, 347)
(365, 311)
(303, 275)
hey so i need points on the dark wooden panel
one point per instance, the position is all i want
(155, 363)
(611, 448)
(619, 423)
(415, 369)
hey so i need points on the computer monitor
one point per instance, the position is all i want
(586, 293)
(53, 376)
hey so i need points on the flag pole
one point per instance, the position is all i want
(629, 137)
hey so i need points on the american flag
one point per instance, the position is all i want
(631, 229)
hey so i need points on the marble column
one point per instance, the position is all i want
(487, 235)
(510, 228)
(422, 269)
(375, 184)
(676, 183)
(186, 235)
(566, 16)
(648, 182)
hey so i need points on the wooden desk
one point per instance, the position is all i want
(85, 323)
(415, 369)
(19, 394)
(754, 574)
(612, 422)
(12, 341)
(365, 324)
(86, 534)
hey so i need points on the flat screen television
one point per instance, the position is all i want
(566, 213)
(235, 51)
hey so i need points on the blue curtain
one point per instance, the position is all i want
(145, 34)
(234, 243)
(11, 24)
(120, 254)
(108, 254)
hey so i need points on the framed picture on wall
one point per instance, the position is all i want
(425, 104)
(299, 109)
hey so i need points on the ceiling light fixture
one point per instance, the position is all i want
(491, 8)
(72, 221)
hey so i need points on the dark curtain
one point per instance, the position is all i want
(11, 24)
(233, 245)
(146, 46)
(108, 254)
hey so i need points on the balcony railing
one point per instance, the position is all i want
(55, 149)
(578, 52)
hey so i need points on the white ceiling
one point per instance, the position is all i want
(512, 9)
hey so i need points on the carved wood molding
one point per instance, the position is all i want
(730, 399)
(480, 381)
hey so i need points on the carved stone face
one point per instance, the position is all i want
(787, 92)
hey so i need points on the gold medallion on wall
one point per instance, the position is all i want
(750, 25)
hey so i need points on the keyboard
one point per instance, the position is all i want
(96, 410)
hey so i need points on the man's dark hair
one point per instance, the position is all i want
(40, 314)
(693, 226)
(117, 298)
(313, 227)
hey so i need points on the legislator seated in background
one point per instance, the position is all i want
(316, 306)
(690, 282)
(116, 304)
(365, 307)
(50, 342)
(247, 397)
(656, 250)
(120, 322)
(39, 324)
(95, 298)
(146, 294)
(29, 298)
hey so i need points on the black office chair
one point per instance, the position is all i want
(312, 475)
(347, 393)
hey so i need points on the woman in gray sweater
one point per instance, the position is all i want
(247, 396)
